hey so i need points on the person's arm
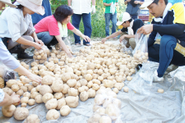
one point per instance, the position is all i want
(77, 32)
(34, 35)
(169, 29)
(69, 2)
(23, 71)
(126, 1)
(8, 100)
(111, 36)
(24, 41)
(107, 4)
(63, 46)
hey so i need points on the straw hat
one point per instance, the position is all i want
(34, 5)
(8, 2)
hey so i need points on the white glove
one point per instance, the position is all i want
(93, 9)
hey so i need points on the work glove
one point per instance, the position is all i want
(93, 9)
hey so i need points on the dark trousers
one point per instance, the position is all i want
(166, 54)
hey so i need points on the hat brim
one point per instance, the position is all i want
(11, 5)
(119, 23)
(145, 4)
(35, 8)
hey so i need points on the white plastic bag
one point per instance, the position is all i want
(140, 52)
(113, 8)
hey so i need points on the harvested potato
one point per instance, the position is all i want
(71, 82)
(47, 80)
(52, 114)
(24, 100)
(51, 104)
(33, 118)
(57, 85)
(31, 102)
(126, 89)
(38, 98)
(91, 93)
(21, 113)
(47, 97)
(84, 96)
(72, 92)
(160, 90)
(8, 111)
(61, 102)
(65, 110)
(105, 119)
(45, 89)
(58, 95)
(72, 101)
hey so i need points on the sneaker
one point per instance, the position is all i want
(156, 78)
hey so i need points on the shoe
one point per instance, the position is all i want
(22, 55)
(8, 75)
(156, 78)
(87, 44)
(15, 49)
(78, 44)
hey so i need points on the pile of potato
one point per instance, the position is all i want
(106, 107)
(40, 56)
(66, 80)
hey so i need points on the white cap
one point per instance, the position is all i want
(146, 4)
(123, 17)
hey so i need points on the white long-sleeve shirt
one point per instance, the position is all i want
(81, 6)
(13, 24)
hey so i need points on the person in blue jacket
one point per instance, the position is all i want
(168, 26)
(37, 17)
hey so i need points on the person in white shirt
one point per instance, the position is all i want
(82, 9)
(17, 31)
(12, 63)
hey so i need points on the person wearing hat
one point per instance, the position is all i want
(17, 31)
(12, 63)
(129, 29)
(168, 26)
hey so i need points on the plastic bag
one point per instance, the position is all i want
(40, 56)
(140, 52)
(113, 8)
(106, 107)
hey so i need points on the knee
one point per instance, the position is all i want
(132, 43)
(167, 39)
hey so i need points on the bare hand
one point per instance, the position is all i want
(15, 98)
(121, 38)
(137, 2)
(37, 46)
(103, 40)
(86, 38)
(69, 55)
(34, 78)
(146, 29)
(39, 42)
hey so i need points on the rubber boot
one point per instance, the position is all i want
(22, 55)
